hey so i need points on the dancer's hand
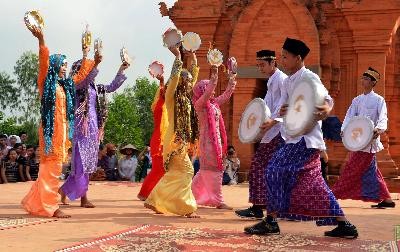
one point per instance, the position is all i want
(97, 58)
(38, 33)
(214, 72)
(267, 125)
(160, 78)
(85, 51)
(376, 134)
(322, 111)
(175, 51)
(123, 67)
(283, 109)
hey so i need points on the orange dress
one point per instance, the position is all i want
(42, 200)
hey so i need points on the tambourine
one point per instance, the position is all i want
(191, 41)
(86, 38)
(231, 64)
(98, 46)
(125, 57)
(215, 57)
(33, 19)
(172, 37)
(156, 68)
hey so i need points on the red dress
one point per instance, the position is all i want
(156, 151)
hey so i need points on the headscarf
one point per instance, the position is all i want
(198, 90)
(49, 100)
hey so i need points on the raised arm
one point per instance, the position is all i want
(44, 61)
(86, 68)
(228, 92)
(118, 80)
(173, 79)
(194, 68)
(202, 101)
(89, 79)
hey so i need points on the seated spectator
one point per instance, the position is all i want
(12, 140)
(102, 165)
(66, 167)
(232, 165)
(128, 164)
(3, 146)
(143, 165)
(112, 168)
(21, 160)
(10, 169)
(23, 136)
(32, 166)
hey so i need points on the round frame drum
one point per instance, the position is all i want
(125, 58)
(172, 37)
(215, 57)
(156, 68)
(33, 19)
(191, 41)
(300, 118)
(358, 133)
(255, 114)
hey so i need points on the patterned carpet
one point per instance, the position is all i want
(168, 238)
(15, 222)
(116, 183)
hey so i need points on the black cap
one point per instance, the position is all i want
(265, 55)
(296, 47)
(372, 73)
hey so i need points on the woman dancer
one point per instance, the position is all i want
(173, 193)
(207, 184)
(156, 142)
(57, 121)
(90, 112)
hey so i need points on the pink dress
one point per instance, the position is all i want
(207, 183)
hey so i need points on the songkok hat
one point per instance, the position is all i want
(296, 47)
(265, 55)
(372, 73)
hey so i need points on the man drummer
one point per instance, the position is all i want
(272, 140)
(361, 179)
(295, 187)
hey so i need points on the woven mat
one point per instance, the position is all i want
(169, 238)
(16, 222)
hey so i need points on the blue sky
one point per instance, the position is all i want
(135, 24)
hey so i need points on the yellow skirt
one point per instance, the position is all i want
(173, 193)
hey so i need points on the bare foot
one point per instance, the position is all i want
(63, 197)
(224, 206)
(141, 198)
(87, 204)
(60, 214)
(152, 208)
(192, 216)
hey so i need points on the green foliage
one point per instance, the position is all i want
(26, 72)
(130, 119)
(9, 93)
(10, 126)
(122, 125)
(144, 92)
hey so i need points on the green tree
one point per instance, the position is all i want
(122, 125)
(144, 92)
(8, 94)
(26, 72)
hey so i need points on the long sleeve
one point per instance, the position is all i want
(86, 67)
(351, 112)
(116, 83)
(173, 80)
(226, 95)
(283, 100)
(44, 64)
(202, 101)
(381, 123)
(194, 71)
(89, 79)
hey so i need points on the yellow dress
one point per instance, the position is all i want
(173, 193)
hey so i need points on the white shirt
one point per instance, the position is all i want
(372, 106)
(127, 167)
(314, 138)
(272, 98)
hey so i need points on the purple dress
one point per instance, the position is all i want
(85, 146)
